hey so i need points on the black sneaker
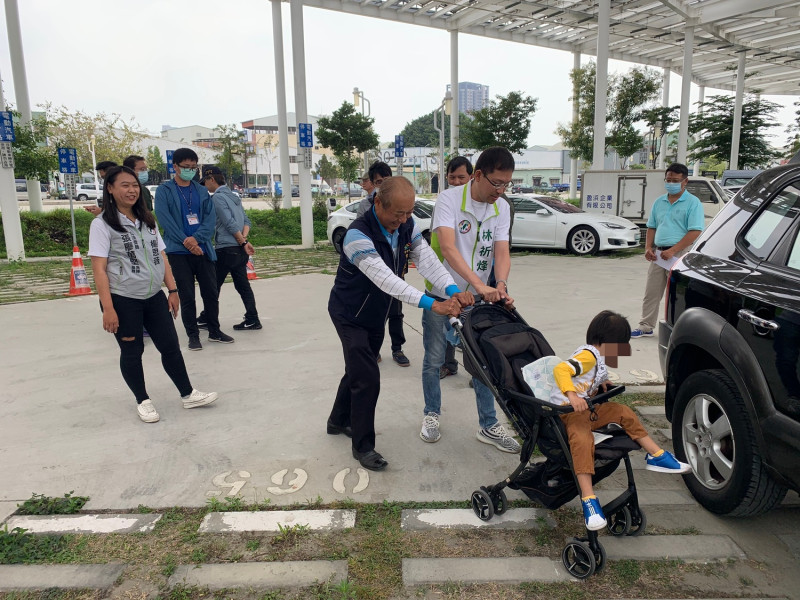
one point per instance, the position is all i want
(222, 338)
(194, 342)
(401, 359)
(201, 322)
(247, 325)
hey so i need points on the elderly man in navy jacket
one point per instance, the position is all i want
(376, 251)
(186, 212)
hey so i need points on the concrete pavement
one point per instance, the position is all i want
(70, 422)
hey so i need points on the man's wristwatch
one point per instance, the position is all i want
(175, 291)
(244, 243)
(503, 281)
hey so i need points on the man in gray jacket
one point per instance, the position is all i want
(233, 249)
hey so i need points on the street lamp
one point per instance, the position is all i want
(366, 110)
(445, 108)
(92, 140)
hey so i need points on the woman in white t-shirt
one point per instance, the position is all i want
(129, 266)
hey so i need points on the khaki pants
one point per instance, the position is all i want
(579, 431)
(653, 292)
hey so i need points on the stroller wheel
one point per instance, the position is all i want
(579, 559)
(500, 502)
(620, 522)
(482, 504)
(599, 558)
(638, 522)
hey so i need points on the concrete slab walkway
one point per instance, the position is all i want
(260, 575)
(41, 577)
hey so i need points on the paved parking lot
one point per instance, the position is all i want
(69, 422)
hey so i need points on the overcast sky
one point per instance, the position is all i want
(208, 62)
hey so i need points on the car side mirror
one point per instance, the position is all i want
(543, 211)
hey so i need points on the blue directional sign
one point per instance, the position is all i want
(399, 146)
(170, 166)
(7, 127)
(68, 160)
(305, 136)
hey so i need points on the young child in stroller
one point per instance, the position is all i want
(580, 377)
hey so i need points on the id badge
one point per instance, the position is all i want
(192, 219)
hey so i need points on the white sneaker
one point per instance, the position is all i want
(430, 428)
(198, 398)
(147, 412)
(497, 436)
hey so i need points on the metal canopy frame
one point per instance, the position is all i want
(649, 32)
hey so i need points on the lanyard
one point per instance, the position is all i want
(187, 201)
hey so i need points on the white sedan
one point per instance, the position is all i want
(340, 220)
(547, 222)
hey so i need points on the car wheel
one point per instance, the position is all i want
(712, 431)
(582, 241)
(82, 197)
(338, 238)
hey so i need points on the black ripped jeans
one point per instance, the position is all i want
(154, 314)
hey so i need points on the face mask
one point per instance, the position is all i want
(188, 174)
(673, 188)
(143, 176)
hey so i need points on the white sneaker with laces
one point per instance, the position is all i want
(147, 412)
(198, 398)
(430, 428)
(497, 436)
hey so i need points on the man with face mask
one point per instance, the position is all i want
(139, 166)
(186, 212)
(675, 222)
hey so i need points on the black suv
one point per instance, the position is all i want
(729, 349)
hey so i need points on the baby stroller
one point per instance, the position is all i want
(497, 343)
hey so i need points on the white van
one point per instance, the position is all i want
(631, 193)
(22, 190)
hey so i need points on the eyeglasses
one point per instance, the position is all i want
(498, 186)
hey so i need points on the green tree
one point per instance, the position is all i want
(155, 162)
(578, 137)
(420, 131)
(793, 130)
(326, 170)
(505, 122)
(631, 92)
(628, 94)
(347, 133)
(33, 159)
(713, 131)
(231, 151)
(115, 138)
(659, 121)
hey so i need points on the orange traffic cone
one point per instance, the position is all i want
(251, 269)
(78, 281)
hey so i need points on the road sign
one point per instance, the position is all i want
(399, 145)
(170, 166)
(6, 155)
(307, 164)
(305, 136)
(70, 182)
(7, 127)
(68, 160)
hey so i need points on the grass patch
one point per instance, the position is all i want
(640, 399)
(20, 547)
(38, 504)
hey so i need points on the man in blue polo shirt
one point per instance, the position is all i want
(675, 222)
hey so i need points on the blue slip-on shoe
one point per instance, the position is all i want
(666, 463)
(637, 333)
(593, 515)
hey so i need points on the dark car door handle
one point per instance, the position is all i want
(747, 315)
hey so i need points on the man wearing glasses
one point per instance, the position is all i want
(470, 229)
(186, 212)
(675, 222)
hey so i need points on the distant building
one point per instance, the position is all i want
(196, 135)
(471, 96)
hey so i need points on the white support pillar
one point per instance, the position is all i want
(701, 98)
(21, 90)
(280, 92)
(686, 87)
(454, 115)
(737, 113)
(573, 162)
(601, 84)
(662, 156)
(299, 68)
(12, 227)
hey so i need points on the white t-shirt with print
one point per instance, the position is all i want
(476, 225)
